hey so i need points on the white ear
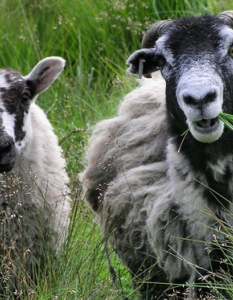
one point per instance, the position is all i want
(45, 73)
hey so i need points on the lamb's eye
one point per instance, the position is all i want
(25, 99)
(230, 51)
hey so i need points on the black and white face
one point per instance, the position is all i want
(16, 95)
(196, 59)
(200, 81)
(15, 98)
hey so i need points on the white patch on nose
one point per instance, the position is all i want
(28, 133)
(197, 82)
(8, 122)
(207, 99)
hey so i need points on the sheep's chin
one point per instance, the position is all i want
(207, 131)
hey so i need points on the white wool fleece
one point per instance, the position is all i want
(39, 181)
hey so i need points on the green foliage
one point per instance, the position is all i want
(95, 38)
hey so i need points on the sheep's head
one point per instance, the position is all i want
(195, 56)
(16, 95)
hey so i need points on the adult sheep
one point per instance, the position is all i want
(164, 201)
(34, 201)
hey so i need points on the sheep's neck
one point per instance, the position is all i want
(212, 172)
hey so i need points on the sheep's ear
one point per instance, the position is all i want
(150, 60)
(44, 74)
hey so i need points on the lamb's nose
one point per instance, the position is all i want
(7, 154)
(5, 147)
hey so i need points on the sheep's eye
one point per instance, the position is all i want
(25, 99)
(230, 51)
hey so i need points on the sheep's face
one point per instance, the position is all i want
(195, 56)
(16, 95)
(15, 99)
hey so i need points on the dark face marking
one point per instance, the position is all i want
(15, 98)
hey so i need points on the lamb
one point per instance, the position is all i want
(164, 201)
(34, 196)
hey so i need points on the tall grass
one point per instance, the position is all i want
(95, 38)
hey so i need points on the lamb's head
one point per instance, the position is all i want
(195, 56)
(17, 92)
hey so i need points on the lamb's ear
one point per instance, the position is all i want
(44, 74)
(151, 61)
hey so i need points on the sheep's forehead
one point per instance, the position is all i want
(11, 86)
(9, 77)
(12, 114)
(195, 36)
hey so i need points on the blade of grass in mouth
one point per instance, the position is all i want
(227, 120)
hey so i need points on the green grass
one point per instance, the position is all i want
(227, 120)
(95, 38)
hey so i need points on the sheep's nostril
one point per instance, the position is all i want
(189, 100)
(7, 155)
(211, 97)
(5, 148)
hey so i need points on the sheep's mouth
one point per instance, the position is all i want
(207, 126)
(207, 130)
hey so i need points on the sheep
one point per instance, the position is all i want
(164, 201)
(34, 194)
(124, 159)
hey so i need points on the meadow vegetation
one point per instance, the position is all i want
(95, 37)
